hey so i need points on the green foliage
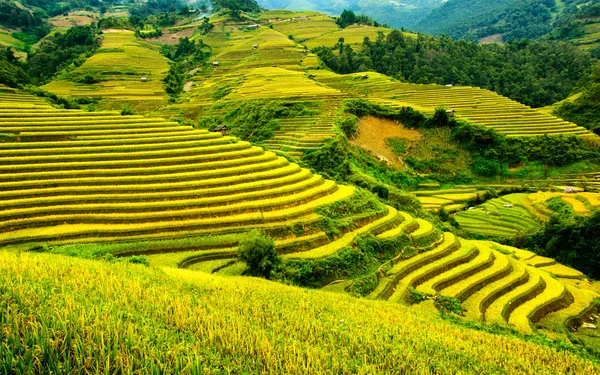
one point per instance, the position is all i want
(361, 202)
(398, 145)
(258, 251)
(363, 286)
(190, 51)
(89, 79)
(348, 125)
(254, 120)
(570, 239)
(348, 18)
(406, 115)
(60, 51)
(584, 110)
(127, 110)
(12, 72)
(331, 160)
(59, 101)
(415, 297)
(221, 92)
(360, 261)
(174, 80)
(472, 20)
(237, 5)
(534, 73)
(205, 27)
(448, 304)
(32, 24)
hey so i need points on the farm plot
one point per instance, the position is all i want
(476, 105)
(119, 66)
(495, 284)
(72, 178)
(518, 214)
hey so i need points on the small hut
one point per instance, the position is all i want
(255, 46)
(450, 112)
(144, 79)
(223, 129)
(312, 76)
(216, 63)
(364, 76)
(570, 190)
(252, 27)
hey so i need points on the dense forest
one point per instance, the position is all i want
(237, 5)
(534, 73)
(584, 110)
(60, 51)
(570, 239)
(514, 20)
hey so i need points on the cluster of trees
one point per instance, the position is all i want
(184, 56)
(585, 109)
(570, 239)
(148, 8)
(237, 5)
(12, 72)
(348, 18)
(534, 73)
(61, 50)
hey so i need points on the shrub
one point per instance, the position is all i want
(258, 251)
(348, 125)
(127, 110)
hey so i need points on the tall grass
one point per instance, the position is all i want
(70, 316)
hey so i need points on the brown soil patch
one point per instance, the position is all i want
(106, 31)
(372, 135)
(495, 38)
(73, 19)
(173, 38)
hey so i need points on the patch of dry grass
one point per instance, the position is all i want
(373, 133)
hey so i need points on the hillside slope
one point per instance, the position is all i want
(71, 315)
(406, 13)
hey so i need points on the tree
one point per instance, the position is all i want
(258, 251)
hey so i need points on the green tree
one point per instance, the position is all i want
(258, 251)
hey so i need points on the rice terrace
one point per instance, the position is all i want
(281, 187)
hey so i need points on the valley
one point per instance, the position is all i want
(229, 189)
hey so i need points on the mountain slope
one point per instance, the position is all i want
(398, 14)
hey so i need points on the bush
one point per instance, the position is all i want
(127, 110)
(348, 125)
(258, 251)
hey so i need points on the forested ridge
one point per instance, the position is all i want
(534, 73)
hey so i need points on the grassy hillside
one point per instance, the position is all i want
(118, 68)
(124, 317)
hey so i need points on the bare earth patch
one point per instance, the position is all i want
(495, 38)
(372, 135)
(173, 38)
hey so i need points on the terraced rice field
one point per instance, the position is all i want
(75, 177)
(353, 35)
(450, 199)
(476, 105)
(300, 133)
(306, 28)
(273, 48)
(120, 64)
(495, 284)
(518, 214)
